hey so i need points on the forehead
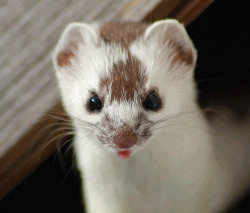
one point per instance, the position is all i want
(125, 79)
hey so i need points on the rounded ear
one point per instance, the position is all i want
(74, 35)
(172, 36)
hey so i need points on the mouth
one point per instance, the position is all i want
(124, 154)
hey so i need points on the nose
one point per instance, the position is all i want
(125, 140)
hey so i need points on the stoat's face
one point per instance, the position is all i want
(118, 80)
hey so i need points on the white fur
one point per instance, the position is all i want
(178, 169)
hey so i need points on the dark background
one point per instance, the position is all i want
(221, 35)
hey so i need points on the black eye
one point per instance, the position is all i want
(152, 102)
(94, 104)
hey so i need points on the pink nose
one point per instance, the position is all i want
(125, 141)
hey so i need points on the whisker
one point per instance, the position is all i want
(173, 124)
(56, 137)
(83, 123)
(68, 171)
(61, 113)
(173, 116)
(64, 127)
(69, 147)
(86, 125)
(59, 153)
(60, 118)
(53, 139)
(209, 79)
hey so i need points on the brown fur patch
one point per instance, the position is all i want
(63, 58)
(182, 55)
(122, 32)
(125, 79)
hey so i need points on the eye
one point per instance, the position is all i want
(94, 104)
(152, 102)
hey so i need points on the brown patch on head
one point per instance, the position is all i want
(125, 80)
(122, 32)
(63, 58)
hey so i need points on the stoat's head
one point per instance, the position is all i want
(118, 80)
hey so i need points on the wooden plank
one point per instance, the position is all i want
(163, 10)
(183, 10)
(189, 10)
(28, 92)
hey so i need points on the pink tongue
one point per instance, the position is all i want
(124, 154)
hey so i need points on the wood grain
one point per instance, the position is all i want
(189, 10)
(28, 90)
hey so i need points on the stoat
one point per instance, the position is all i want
(142, 143)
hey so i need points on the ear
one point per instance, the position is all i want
(172, 36)
(75, 36)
